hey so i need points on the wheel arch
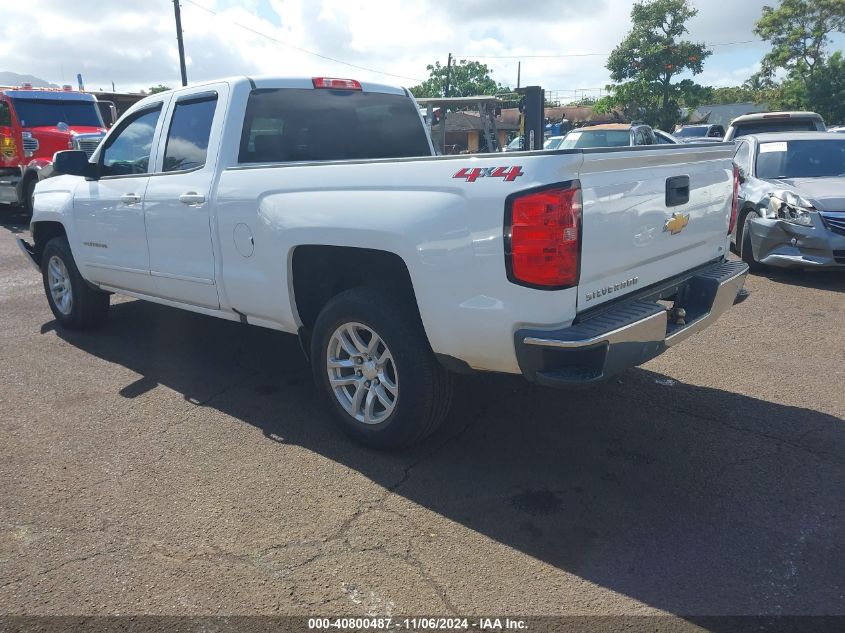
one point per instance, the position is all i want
(740, 221)
(42, 232)
(320, 272)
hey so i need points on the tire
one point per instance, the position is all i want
(28, 194)
(403, 373)
(745, 250)
(74, 303)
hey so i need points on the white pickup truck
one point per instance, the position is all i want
(315, 206)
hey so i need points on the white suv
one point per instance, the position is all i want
(761, 122)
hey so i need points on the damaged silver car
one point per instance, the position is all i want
(791, 200)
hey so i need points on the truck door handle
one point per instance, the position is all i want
(192, 198)
(677, 190)
(130, 198)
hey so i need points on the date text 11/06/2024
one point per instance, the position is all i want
(417, 624)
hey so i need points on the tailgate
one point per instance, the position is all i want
(631, 237)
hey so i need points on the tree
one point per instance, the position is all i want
(758, 82)
(645, 62)
(798, 31)
(467, 79)
(826, 89)
(156, 89)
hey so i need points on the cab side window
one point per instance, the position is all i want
(5, 115)
(190, 129)
(128, 152)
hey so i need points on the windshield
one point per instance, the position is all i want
(596, 138)
(49, 112)
(690, 132)
(553, 143)
(776, 125)
(515, 143)
(801, 159)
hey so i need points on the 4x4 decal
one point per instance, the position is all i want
(472, 174)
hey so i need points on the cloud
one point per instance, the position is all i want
(134, 44)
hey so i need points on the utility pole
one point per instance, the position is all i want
(178, 13)
(518, 72)
(448, 74)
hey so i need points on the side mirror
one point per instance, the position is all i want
(74, 162)
(742, 177)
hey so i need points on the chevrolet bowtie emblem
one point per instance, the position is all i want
(676, 223)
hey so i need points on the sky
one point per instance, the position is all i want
(133, 44)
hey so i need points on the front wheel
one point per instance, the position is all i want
(74, 303)
(370, 355)
(745, 250)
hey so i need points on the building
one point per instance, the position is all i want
(122, 101)
(576, 115)
(465, 133)
(472, 123)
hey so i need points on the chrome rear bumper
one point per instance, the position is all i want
(628, 333)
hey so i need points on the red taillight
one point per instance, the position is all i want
(734, 201)
(544, 229)
(336, 84)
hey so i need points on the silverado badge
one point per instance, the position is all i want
(676, 223)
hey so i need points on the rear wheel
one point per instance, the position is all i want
(370, 355)
(74, 303)
(745, 250)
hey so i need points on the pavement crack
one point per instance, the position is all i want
(206, 401)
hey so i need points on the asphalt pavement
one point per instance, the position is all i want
(178, 464)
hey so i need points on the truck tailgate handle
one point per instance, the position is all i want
(677, 190)
(192, 198)
(130, 198)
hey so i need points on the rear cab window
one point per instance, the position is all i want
(776, 125)
(300, 124)
(597, 138)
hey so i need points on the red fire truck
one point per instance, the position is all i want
(35, 123)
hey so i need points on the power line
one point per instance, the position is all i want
(580, 54)
(297, 48)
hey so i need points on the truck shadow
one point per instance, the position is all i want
(830, 280)
(689, 499)
(13, 219)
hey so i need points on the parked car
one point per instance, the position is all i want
(839, 128)
(762, 122)
(213, 198)
(702, 132)
(664, 138)
(514, 146)
(792, 200)
(553, 142)
(609, 135)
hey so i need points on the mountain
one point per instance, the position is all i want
(14, 79)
